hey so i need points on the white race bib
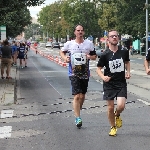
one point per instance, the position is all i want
(116, 65)
(78, 58)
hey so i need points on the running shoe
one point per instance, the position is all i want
(118, 121)
(78, 122)
(113, 131)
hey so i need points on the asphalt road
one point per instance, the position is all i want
(43, 118)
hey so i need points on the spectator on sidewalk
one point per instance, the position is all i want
(25, 54)
(14, 53)
(21, 53)
(132, 50)
(6, 59)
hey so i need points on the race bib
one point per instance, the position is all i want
(79, 58)
(116, 65)
(79, 65)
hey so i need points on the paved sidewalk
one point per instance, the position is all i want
(8, 88)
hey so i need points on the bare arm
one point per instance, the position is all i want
(146, 64)
(100, 73)
(127, 66)
(63, 56)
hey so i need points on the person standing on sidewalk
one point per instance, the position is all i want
(14, 53)
(80, 52)
(6, 59)
(21, 54)
(147, 61)
(117, 70)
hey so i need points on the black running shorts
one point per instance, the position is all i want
(110, 94)
(78, 85)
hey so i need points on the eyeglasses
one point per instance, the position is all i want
(80, 30)
(112, 36)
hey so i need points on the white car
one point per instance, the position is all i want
(61, 44)
(48, 44)
(41, 44)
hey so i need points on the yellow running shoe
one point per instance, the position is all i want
(113, 131)
(118, 121)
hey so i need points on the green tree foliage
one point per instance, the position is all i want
(51, 19)
(127, 16)
(32, 30)
(15, 15)
(108, 19)
(132, 20)
(82, 12)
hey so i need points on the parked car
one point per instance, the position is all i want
(41, 44)
(48, 44)
(56, 45)
(61, 44)
(99, 50)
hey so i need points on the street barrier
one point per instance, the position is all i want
(50, 57)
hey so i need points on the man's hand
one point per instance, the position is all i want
(106, 78)
(67, 59)
(127, 75)
(88, 56)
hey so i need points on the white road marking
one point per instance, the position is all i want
(7, 113)
(5, 131)
(145, 102)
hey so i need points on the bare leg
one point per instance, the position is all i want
(110, 112)
(2, 71)
(76, 105)
(82, 98)
(120, 105)
(20, 62)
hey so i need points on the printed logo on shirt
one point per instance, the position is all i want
(79, 65)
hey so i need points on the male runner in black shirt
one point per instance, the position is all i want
(115, 61)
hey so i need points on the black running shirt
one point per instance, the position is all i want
(114, 64)
(148, 55)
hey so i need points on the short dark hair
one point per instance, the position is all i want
(5, 42)
(111, 31)
(78, 25)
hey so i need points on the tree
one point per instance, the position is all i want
(16, 16)
(33, 30)
(82, 12)
(132, 20)
(51, 19)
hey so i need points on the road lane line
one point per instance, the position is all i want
(145, 102)
(5, 131)
(7, 113)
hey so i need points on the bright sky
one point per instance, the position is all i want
(35, 10)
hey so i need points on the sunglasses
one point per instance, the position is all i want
(112, 36)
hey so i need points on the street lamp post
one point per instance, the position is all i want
(146, 27)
